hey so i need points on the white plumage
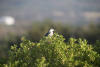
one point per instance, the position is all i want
(50, 32)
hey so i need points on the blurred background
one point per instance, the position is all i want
(33, 18)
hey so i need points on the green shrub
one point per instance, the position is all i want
(97, 46)
(53, 52)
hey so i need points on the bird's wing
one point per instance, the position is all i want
(47, 34)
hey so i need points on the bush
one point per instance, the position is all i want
(53, 52)
(97, 46)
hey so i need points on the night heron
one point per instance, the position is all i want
(50, 32)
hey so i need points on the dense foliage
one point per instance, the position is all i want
(53, 52)
(10, 35)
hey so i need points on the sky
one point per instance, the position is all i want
(75, 11)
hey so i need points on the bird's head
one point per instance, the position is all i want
(51, 30)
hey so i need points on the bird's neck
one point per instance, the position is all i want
(50, 31)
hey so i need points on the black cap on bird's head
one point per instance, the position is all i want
(52, 28)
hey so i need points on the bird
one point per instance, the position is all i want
(50, 32)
